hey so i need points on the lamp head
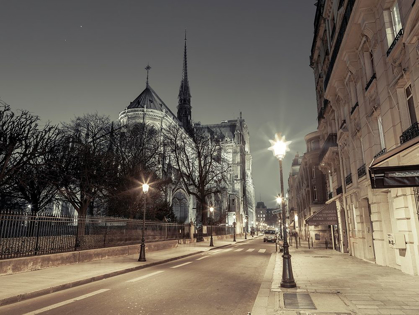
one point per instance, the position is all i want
(212, 209)
(279, 146)
(145, 188)
(279, 200)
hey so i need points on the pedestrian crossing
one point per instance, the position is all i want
(250, 250)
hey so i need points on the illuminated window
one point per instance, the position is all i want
(392, 22)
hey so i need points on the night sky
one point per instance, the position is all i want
(61, 59)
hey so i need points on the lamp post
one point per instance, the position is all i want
(245, 228)
(212, 211)
(142, 248)
(279, 148)
(234, 228)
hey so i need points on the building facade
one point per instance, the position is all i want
(307, 193)
(365, 59)
(237, 196)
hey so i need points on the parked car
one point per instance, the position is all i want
(270, 236)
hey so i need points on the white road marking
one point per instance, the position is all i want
(239, 250)
(182, 265)
(51, 307)
(203, 257)
(146, 276)
(262, 250)
(250, 250)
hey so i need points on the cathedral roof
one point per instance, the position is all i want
(149, 99)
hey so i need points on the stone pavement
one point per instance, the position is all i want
(336, 283)
(25, 285)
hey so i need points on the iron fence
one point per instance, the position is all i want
(22, 234)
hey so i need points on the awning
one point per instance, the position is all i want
(394, 175)
(325, 216)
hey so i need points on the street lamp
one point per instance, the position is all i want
(142, 248)
(279, 148)
(211, 242)
(234, 227)
(245, 228)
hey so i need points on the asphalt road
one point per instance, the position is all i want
(220, 281)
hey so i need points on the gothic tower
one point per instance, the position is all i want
(184, 108)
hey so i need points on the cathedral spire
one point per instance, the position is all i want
(148, 69)
(184, 105)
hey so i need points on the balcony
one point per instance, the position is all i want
(399, 34)
(362, 171)
(380, 153)
(348, 179)
(370, 82)
(354, 107)
(338, 190)
(331, 141)
(410, 133)
(339, 40)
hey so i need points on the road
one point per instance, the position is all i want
(220, 281)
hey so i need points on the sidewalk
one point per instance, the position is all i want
(21, 286)
(337, 283)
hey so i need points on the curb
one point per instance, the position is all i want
(61, 287)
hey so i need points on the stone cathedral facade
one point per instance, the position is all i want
(237, 195)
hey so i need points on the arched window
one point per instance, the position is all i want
(180, 207)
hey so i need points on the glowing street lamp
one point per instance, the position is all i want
(142, 248)
(212, 211)
(279, 148)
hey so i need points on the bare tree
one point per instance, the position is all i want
(138, 156)
(199, 162)
(21, 142)
(35, 181)
(82, 165)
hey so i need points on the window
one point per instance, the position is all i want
(314, 193)
(313, 172)
(381, 132)
(392, 22)
(411, 104)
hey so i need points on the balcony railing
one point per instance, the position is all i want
(410, 133)
(380, 153)
(362, 171)
(370, 82)
(399, 34)
(338, 190)
(339, 40)
(348, 179)
(354, 107)
(331, 141)
(330, 195)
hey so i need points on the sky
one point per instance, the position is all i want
(62, 59)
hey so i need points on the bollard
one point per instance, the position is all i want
(312, 244)
(308, 241)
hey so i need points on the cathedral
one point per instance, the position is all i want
(237, 196)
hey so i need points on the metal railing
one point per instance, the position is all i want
(330, 195)
(410, 133)
(354, 107)
(373, 77)
(348, 179)
(380, 153)
(362, 171)
(23, 234)
(399, 34)
(338, 190)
